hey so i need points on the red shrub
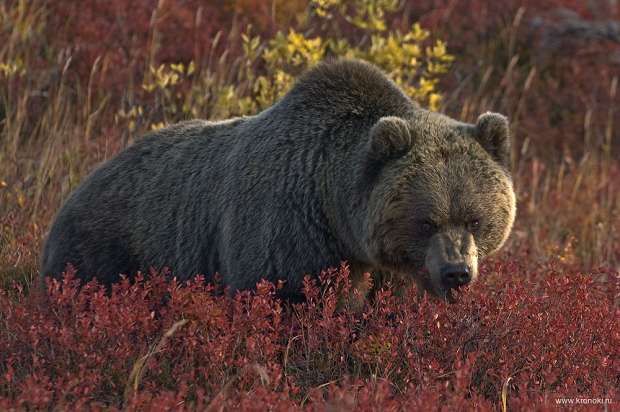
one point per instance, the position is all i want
(552, 331)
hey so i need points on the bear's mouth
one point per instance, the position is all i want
(425, 284)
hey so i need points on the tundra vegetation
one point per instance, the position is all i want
(80, 82)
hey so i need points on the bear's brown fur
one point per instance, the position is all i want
(345, 167)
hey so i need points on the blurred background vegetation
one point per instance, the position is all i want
(79, 81)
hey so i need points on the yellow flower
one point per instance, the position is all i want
(417, 34)
(434, 100)
(14, 68)
(157, 126)
(179, 68)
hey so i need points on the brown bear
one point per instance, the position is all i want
(345, 167)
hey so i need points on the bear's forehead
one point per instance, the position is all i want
(437, 124)
(452, 152)
(455, 169)
(454, 199)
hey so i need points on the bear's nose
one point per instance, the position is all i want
(455, 275)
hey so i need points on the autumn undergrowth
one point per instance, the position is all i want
(158, 345)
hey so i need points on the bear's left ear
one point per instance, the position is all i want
(390, 138)
(493, 134)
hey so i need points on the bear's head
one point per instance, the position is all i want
(442, 197)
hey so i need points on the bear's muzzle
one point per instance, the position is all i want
(451, 261)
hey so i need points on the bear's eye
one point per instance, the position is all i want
(473, 225)
(428, 227)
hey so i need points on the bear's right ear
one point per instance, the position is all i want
(493, 133)
(390, 138)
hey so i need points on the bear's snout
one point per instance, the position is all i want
(455, 275)
(452, 262)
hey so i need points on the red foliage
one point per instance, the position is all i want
(123, 33)
(127, 35)
(564, 47)
(553, 331)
